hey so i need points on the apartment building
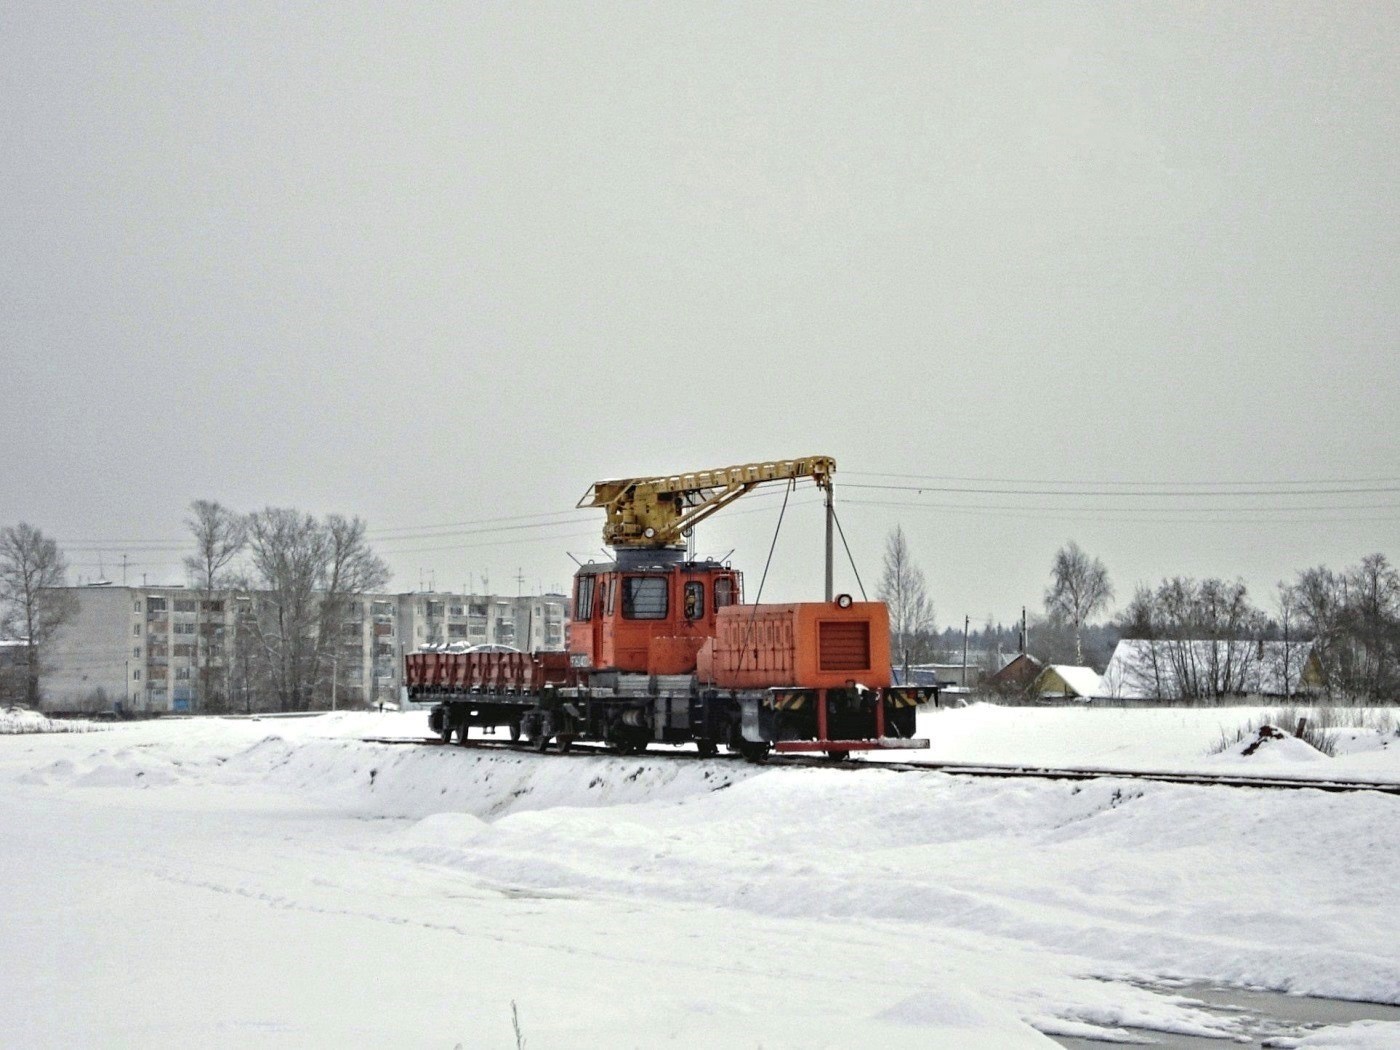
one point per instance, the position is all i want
(157, 649)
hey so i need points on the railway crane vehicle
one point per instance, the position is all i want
(663, 650)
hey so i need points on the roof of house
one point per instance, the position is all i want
(1143, 669)
(1012, 659)
(1082, 681)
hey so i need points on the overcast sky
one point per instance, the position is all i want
(1017, 267)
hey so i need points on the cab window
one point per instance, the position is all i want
(724, 592)
(644, 598)
(694, 600)
(583, 598)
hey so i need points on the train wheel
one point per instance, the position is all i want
(838, 756)
(707, 748)
(564, 743)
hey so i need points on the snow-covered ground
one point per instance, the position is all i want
(1149, 738)
(281, 883)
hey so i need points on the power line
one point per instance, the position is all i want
(384, 536)
(1118, 513)
(384, 533)
(1162, 494)
(1144, 484)
(1128, 515)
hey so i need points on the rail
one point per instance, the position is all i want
(965, 769)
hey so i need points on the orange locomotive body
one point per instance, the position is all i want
(812, 645)
(663, 650)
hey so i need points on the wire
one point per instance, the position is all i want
(1121, 495)
(417, 531)
(1129, 514)
(1143, 484)
(863, 596)
(792, 484)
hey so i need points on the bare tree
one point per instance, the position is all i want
(353, 568)
(219, 534)
(1199, 639)
(1320, 597)
(903, 589)
(1078, 588)
(1287, 660)
(1373, 626)
(287, 550)
(31, 606)
(304, 571)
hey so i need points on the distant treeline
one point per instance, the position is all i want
(1351, 617)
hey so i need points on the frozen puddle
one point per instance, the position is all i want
(1264, 1019)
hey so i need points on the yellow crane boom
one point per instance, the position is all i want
(655, 512)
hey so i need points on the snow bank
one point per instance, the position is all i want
(1360, 1035)
(388, 780)
(23, 720)
(737, 904)
(1269, 743)
(1137, 738)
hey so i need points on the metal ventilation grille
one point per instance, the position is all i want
(844, 645)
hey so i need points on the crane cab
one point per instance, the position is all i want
(647, 615)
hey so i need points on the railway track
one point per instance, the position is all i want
(963, 769)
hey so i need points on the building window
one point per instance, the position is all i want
(644, 598)
(455, 610)
(136, 630)
(136, 675)
(136, 652)
(155, 604)
(184, 605)
(182, 674)
(456, 630)
(216, 606)
(136, 606)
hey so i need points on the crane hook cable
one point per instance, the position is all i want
(851, 557)
(748, 633)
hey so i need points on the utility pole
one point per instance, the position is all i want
(334, 658)
(830, 519)
(966, 621)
